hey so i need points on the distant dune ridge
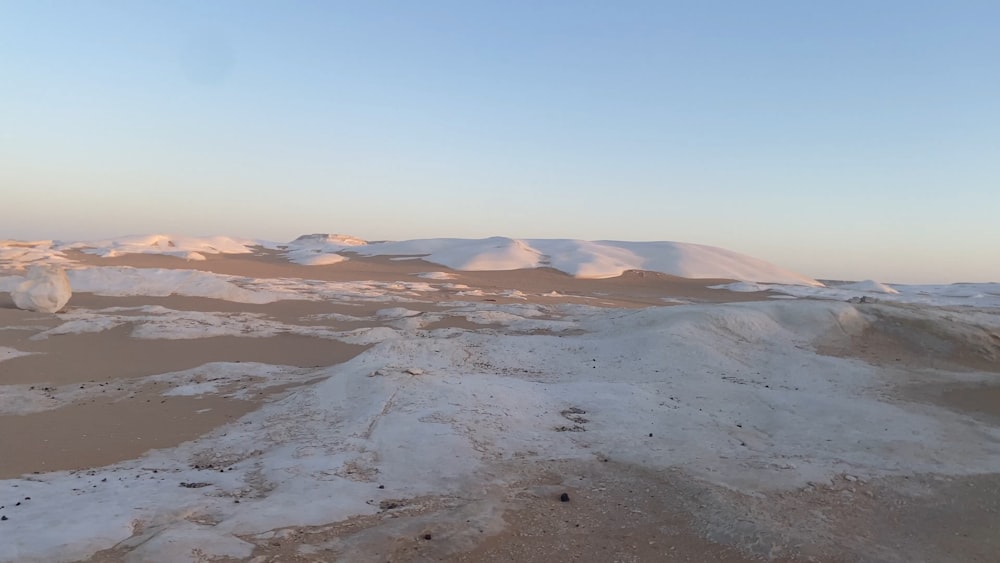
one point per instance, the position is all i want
(593, 260)
(189, 248)
(579, 258)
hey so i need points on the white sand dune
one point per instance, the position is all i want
(586, 259)
(579, 258)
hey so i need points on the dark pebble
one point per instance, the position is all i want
(428, 536)
(3, 518)
(381, 486)
(564, 497)
(650, 434)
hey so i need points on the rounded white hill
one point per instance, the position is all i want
(870, 286)
(46, 290)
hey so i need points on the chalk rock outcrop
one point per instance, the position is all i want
(46, 290)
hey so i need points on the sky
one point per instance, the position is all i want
(843, 140)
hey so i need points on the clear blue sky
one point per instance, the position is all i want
(839, 139)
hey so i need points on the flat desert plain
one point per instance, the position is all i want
(243, 407)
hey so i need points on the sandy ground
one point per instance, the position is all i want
(106, 429)
(102, 408)
(618, 512)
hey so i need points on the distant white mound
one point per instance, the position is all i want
(22, 252)
(320, 249)
(45, 290)
(189, 248)
(585, 259)
(328, 240)
(870, 286)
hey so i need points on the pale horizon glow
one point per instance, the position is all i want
(844, 141)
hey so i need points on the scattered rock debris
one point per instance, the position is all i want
(573, 414)
(391, 504)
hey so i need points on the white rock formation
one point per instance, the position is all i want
(46, 290)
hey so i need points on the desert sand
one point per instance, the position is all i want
(391, 409)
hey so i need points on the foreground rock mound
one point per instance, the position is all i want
(46, 290)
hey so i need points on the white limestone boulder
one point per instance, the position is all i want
(45, 290)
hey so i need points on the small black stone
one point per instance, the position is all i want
(564, 497)
(428, 536)
(381, 486)
(650, 434)
(3, 518)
